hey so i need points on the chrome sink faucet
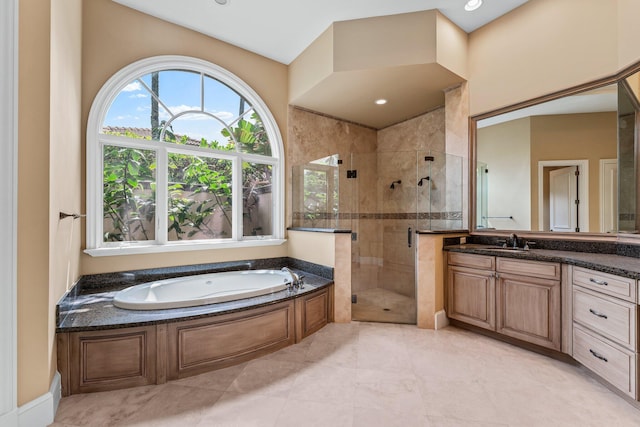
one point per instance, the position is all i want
(514, 240)
(296, 279)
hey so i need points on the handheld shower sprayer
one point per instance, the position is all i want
(393, 184)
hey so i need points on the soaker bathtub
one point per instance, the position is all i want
(201, 289)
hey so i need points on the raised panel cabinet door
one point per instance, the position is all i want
(528, 308)
(112, 359)
(201, 345)
(471, 296)
(315, 314)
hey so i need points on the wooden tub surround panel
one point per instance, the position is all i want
(206, 344)
(110, 359)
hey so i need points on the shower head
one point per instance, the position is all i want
(423, 179)
(393, 184)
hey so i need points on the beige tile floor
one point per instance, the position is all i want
(383, 305)
(369, 374)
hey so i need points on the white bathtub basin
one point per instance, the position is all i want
(201, 289)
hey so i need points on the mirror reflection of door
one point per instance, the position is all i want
(563, 193)
(558, 189)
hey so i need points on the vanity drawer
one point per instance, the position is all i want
(471, 260)
(615, 319)
(609, 284)
(611, 362)
(545, 270)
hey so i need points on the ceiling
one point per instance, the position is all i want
(282, 29)
(604, 99)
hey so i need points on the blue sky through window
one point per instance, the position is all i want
(179, 91)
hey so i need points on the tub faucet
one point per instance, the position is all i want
(296, 280)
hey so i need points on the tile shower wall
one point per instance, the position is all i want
(378, 215)
(456, 102)
(313, 136)
(401, 150)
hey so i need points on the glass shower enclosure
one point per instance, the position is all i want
(384, 198)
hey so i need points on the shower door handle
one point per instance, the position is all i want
(409, 237)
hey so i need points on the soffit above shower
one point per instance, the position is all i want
(407, 59)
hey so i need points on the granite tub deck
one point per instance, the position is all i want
(89, 304)
(101, 347)
(620, 265)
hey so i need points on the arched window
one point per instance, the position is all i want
(181, 154)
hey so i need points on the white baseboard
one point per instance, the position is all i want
(441, 320)
(9, 419)
(40, 412)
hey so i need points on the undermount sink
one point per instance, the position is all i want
(510, 249)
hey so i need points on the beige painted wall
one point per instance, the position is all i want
(115, 36)
(545, 46)
(451, 46)
(318, 248)
(573, 137)
(505, 148)
(628, 32)
(48, 180)
(368, 43)
(65, 156)
(34, 362)
(313, 65)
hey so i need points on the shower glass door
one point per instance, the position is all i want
(383, 220)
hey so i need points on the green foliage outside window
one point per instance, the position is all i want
(199, 186)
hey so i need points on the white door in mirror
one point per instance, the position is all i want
(562, 200)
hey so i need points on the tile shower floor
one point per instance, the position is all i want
(383, 305)
(369, 374)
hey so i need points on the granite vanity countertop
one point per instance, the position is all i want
(606, 263)
(95, 310)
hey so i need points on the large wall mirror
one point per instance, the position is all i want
(563, 163)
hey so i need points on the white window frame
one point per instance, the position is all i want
(96, 140)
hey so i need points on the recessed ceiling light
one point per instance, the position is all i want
(471, 5)
(381, 101)
(223, 2)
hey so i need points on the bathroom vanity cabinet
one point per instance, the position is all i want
(516, 298)
(471, 289)
(587, 314)
(528, 301)
(605, 319)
